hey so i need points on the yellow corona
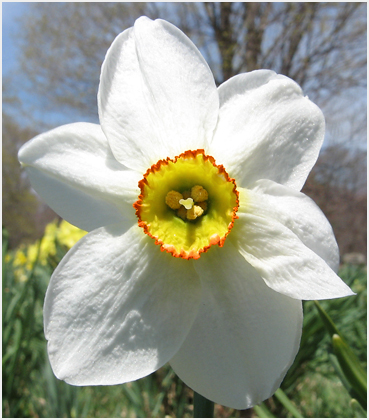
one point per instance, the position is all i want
(187, 204)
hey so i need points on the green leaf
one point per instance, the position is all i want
(202, 406)
(348, 361)
(327, 321)
(5, 236)
(358, 409)
(262, 411)
(337, 367)
(287, 403)
(351, 367)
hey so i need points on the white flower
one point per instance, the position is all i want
(227, 318)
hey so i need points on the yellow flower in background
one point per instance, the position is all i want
(47, 246)
(25, 256)
(20, 263)
(68, 235)
(20, 257)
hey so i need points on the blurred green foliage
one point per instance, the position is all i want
(312, 387)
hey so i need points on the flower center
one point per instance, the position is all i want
(187, 204)
(190, 205)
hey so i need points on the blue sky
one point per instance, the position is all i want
(10, 12)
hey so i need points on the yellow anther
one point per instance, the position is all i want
(182, 213)
(198, 193)
(186, 194)
(172, 199)
(194, 212)
(188, 203)
(203, 205)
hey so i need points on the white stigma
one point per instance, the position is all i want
(187, 204)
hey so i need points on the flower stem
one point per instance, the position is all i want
(203, 408)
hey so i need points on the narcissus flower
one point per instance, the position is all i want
(200, 245)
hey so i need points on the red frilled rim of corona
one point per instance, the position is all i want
(180, 237)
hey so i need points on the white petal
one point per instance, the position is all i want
(280, 257)
(74, 171)
(267, 129)
(245, 336)
(157, 96)
(117, 308)
(300, 214)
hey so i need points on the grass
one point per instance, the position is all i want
(312, 386)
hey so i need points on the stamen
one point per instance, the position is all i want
(173, 199)
(203, 205)
(194, 212)
(186, 194)
(198, 193)
(182, 213)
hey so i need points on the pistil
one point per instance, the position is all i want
(188, 203)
